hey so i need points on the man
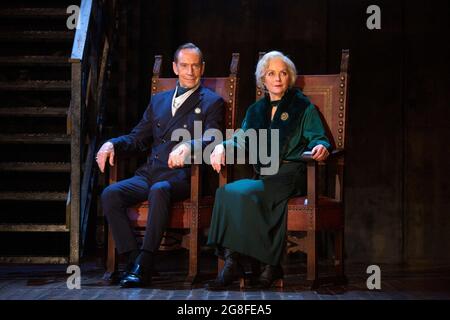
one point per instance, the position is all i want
(164, 178)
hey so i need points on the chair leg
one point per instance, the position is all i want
(220, 264)
(312, 273)
(279, 284)
(339, 257)
(111, 258)
(193, 256)
(255, 267)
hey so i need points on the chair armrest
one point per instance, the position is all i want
(312, 173)
(224, 175)
(307, 155)
(112, 178)
(195, 178)
(113, 175)
(312, 183)
(338, 153)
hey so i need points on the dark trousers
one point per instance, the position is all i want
(117, 197)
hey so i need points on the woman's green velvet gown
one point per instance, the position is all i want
(249, 216)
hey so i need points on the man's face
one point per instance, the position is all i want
(188, 68)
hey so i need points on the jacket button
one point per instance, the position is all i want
(158, 124)
(184, 125)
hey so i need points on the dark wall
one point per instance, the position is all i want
(426, 130)
(397, 181)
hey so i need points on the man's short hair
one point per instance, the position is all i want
(188, 45)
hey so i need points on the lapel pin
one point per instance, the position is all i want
(197, 110)
(284, 116)
(184, 125)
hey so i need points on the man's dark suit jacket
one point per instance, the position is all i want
(156, 127)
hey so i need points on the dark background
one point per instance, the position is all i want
(397, 181)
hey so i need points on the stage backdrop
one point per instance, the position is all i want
(397, 178)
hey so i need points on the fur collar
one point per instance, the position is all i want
(289, 112)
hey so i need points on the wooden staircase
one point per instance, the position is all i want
(35, 140)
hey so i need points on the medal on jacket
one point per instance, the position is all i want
(284, 116)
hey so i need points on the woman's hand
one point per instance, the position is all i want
(319, 153)
(217, 158)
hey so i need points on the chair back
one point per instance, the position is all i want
(329, 94)
(226, 87)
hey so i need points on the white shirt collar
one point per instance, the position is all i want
(177, 102)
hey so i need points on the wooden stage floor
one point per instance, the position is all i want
(49, 282)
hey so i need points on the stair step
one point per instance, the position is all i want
(28, 227)
(33, 196)
(34, 112)
(33, 12)
(36, 85)
(36, 36)
(35, 166)
(35, 138)
(35, 60)
(34, 259)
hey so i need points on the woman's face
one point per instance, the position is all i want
(276, 78)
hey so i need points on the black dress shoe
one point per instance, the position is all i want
(269, 275)
(114, 277)
(122, 274)
(138, 277)
(232, 270)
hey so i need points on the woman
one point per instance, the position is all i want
(249, 216)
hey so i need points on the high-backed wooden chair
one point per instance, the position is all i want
(317, 212)
(193, 214)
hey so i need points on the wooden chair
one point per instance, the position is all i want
(193, 214)
(316, 212)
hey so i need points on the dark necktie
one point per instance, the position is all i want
(181, 90)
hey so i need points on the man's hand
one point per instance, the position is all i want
(178, 156)
(105, 152)
(319, 153)
(217, 158)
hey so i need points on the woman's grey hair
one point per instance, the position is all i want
(263, 63)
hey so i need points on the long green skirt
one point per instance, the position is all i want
(249, 216)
